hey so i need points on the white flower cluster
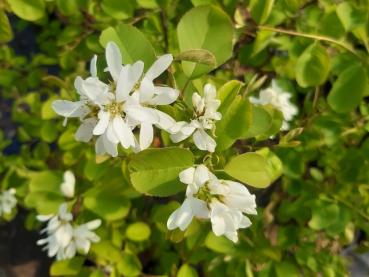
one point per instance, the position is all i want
(224, 202)
(7, 201)
(63, 239)
(205, 115)
(278, 98)
(112, 111)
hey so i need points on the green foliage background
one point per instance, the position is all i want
(317, 50)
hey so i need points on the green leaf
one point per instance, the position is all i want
(219, 244)
(118, 9)
(234, 123)
(260, 10)
(201, 56)
(254, 169)
(109, 202)
(129, 265)
(348, 89)
(323, 215)
(351, 16)
(137, 47)
(187, 271)
(199, 29)
(68, 7)
(227, 93)
(261, 122)
(275, 166)
(44, 191)
(107, 251)
(47, 111)
(155, 171)
(67, 267)
(31, 10)
(138, 231)
(6, 33)
(312, 67)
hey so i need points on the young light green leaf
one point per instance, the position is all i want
(234, 123)
(6, 33)
(275, 166)
(199, 29)
(187, 271)
(253, 169)
(260, 10)
(109, 202)
(155, 171)
(129, 265)
(138, 231)
(118, 9)
(31, 10)
(132, 43)
(200, 56)
(261, 122)
(348, 89)
(312, 67)
(67, 267)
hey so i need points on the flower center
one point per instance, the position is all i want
(114, 108)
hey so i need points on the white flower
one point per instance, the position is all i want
(63, 239)
(82, 107)
(7, 201)
(113, 111)
(278, 98)
(226, 221)
(182, 217)
(205, 116)
(224, 202)
(69, 181)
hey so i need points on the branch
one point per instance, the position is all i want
(311, 36)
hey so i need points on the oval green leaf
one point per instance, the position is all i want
(312, 67)
(155, 171)
(138, 231)
(200, 28)
(348, 89)
(132, 43)
(252, 168)
(31, 10)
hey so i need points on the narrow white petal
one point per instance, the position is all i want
(159, 66)
(93, 68)
(199, 208)
(187, 176)
(164, 96)
(113, 59)
(84, 132)
(99, 146)
(181, 218)
(110, 147)
(67, 108)
(203, 141)
(201, 175)
(43, 218)
(102, 124)
(166, 122)
(111, 134)
(124, 85)
(142, 114)
(123, 132)
(68, 185)
(146, 90)
(146, 135)
(178, 137)
(94, 224)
